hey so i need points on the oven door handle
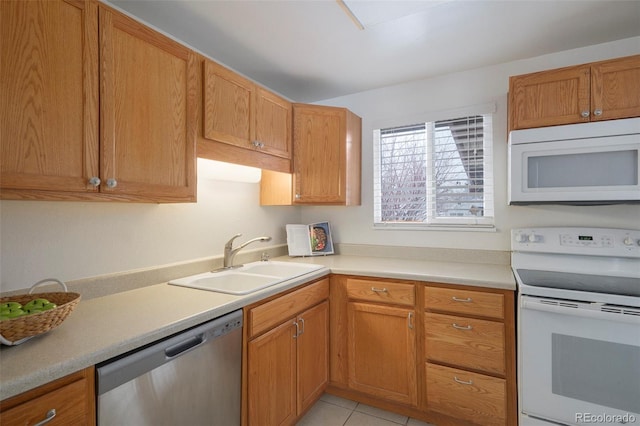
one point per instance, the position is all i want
(571, 308)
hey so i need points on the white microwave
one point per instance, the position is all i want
(580, 164)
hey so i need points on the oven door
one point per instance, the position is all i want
(579, 361)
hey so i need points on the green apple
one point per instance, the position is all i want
(36, 303)
(49, 306)
(14, 313)
(29, 311)
(9, 305)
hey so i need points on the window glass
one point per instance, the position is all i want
(434, 173)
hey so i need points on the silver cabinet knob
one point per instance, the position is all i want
(258, 144)
(297, 196)
(597, 112)
(95, 181)
(584, 114)
(112, 183)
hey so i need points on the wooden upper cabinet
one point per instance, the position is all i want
(49, 101)
(597, 91)
(615, 88)
(273, 123)
(327, 146)
(148, 111)
(238, 112)
(73, 128)
(229, 101)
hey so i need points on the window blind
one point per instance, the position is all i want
(434, 173)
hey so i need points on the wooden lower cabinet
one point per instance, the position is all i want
(440, 353)
(382, 352)
(66, 401)
(287, 366)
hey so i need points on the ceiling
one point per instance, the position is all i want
(311, 50)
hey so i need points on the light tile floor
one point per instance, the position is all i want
(331, 410)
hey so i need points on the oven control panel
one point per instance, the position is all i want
(590, 241)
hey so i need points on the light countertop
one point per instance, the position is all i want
(105, 327)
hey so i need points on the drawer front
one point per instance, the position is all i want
(266, 316)
(468, 302)
(476, 398)
(70, 403)
(381, 291)
(465, 342)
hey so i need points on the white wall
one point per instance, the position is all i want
(73, 240)
(355, 224)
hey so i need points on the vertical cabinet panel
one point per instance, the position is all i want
(229, 103)
(272, 377)
(148, 89)
(615, 89)
(273, 123)
(319, 158)
(382, 352)
(313, 355)
(49, 101)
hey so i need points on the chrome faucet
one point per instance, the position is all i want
(230, 252)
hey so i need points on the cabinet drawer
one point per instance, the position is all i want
(70, 403)
(267, 315)
(468, 302)
(381, 291)
(465, 342)
(467, 396)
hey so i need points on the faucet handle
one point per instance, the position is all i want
(229, 243)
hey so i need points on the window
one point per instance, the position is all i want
(434, 173)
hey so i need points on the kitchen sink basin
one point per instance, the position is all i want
(247, 278)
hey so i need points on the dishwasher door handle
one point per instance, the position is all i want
(182, 347)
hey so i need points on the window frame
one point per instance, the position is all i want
(467, 223)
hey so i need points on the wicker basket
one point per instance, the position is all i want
(17, 330)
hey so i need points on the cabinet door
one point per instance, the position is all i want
(49, 101)
(271, 378)
(615, 89)
(550, 98)
(382, 352)
(273, 123)
(313, 354)
(228, 106)
(148, 133)
(319, 154)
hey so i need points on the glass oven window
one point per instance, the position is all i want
(589, 369)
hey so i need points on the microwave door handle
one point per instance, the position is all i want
(536, 305)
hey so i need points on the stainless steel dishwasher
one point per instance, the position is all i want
(192, 378)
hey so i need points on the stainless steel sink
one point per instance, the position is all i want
(247, 278)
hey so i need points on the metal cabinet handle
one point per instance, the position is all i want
(410, 320)
(95, 181)
(297, 333)
(462, 382)
(297, 196)
(258, 144)
(584, 114)
(302, 330)
(112, 183)
(379, 290)
(467, 300)
(597, 112)
(461, 327)
(50, 415)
